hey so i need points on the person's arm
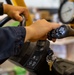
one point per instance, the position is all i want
(11, 41)
(12, 38)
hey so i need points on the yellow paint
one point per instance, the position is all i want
(22, 3)
(71, 0)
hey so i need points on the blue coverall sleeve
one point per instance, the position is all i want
(11, 40)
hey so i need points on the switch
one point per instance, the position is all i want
(33, 64)
(41, 43)
(41, 49)
(36, 58)
(30, 63)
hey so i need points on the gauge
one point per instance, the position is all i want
(66, 12)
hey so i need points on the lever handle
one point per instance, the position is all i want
(61, 32)
(23, 23)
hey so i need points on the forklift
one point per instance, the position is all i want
(37, 57)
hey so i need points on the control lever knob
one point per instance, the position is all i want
(61, 32)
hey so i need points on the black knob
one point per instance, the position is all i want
(61, 32)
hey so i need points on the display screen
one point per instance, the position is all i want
(43, 3)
